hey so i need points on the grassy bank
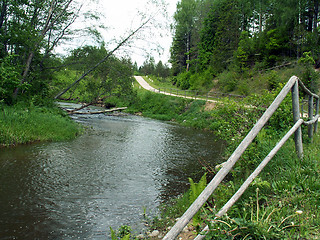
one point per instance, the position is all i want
(21, 124)
(283, 203)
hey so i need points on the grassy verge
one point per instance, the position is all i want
(21, 125)
(157, 82)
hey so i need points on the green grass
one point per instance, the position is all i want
(156, 82)
(21, 125)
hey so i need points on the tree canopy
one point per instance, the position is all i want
(30, 30)
(216, 34)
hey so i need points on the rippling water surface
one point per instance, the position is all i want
(104, 178)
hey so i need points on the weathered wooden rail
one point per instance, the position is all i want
(197, 94)
(312, 123)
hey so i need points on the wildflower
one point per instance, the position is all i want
(299, 212)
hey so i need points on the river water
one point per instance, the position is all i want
(104, 178)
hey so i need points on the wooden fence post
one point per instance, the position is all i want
(296, 117)
(310, 117)
(317, 112)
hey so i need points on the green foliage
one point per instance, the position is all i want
(150, 68)
(123, 233)
(30, 32)
(228, 81)
(273, 80)
(158, 106)
(195, 190)
(276, 204)
(202, 80)
(9, 79)
(256, 222)
(243, 34)
(309, 77)
(183, 80)
(22, 124)
(244, 52)
(111, 78)
(231, 120)
(187, 20)
(195, 116)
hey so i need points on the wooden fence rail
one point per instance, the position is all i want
(292, 85)
(196, 94)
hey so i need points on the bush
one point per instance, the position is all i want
(183, 80)
(228, 80)
(201, 81)
(273, 80)
(9, 79)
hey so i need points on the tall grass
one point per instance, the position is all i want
(21, 124)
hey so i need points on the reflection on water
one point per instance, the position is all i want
(78, 189)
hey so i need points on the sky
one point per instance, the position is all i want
(122, 16)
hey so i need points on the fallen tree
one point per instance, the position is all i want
(70, 112)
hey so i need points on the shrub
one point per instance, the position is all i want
(9, 79)
(228, 80)
(183, 80)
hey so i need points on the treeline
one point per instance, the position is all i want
(149, 67)
(212, 36)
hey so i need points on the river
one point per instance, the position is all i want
(105, 178)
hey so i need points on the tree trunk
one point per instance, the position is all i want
(188, 51)
(310, 19)
(3, 12)
(24, 75)
(3, 17)
(316, 14)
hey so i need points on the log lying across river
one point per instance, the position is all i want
(99, 112)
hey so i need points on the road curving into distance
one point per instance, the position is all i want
(146, 86)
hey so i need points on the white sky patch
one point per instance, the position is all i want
(122, 16)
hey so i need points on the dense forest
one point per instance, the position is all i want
(235, 35)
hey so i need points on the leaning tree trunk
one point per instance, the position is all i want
(103, 60)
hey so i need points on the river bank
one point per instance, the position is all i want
(23, 124)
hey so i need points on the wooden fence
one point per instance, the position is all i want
(196, 94)
(312, 123)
